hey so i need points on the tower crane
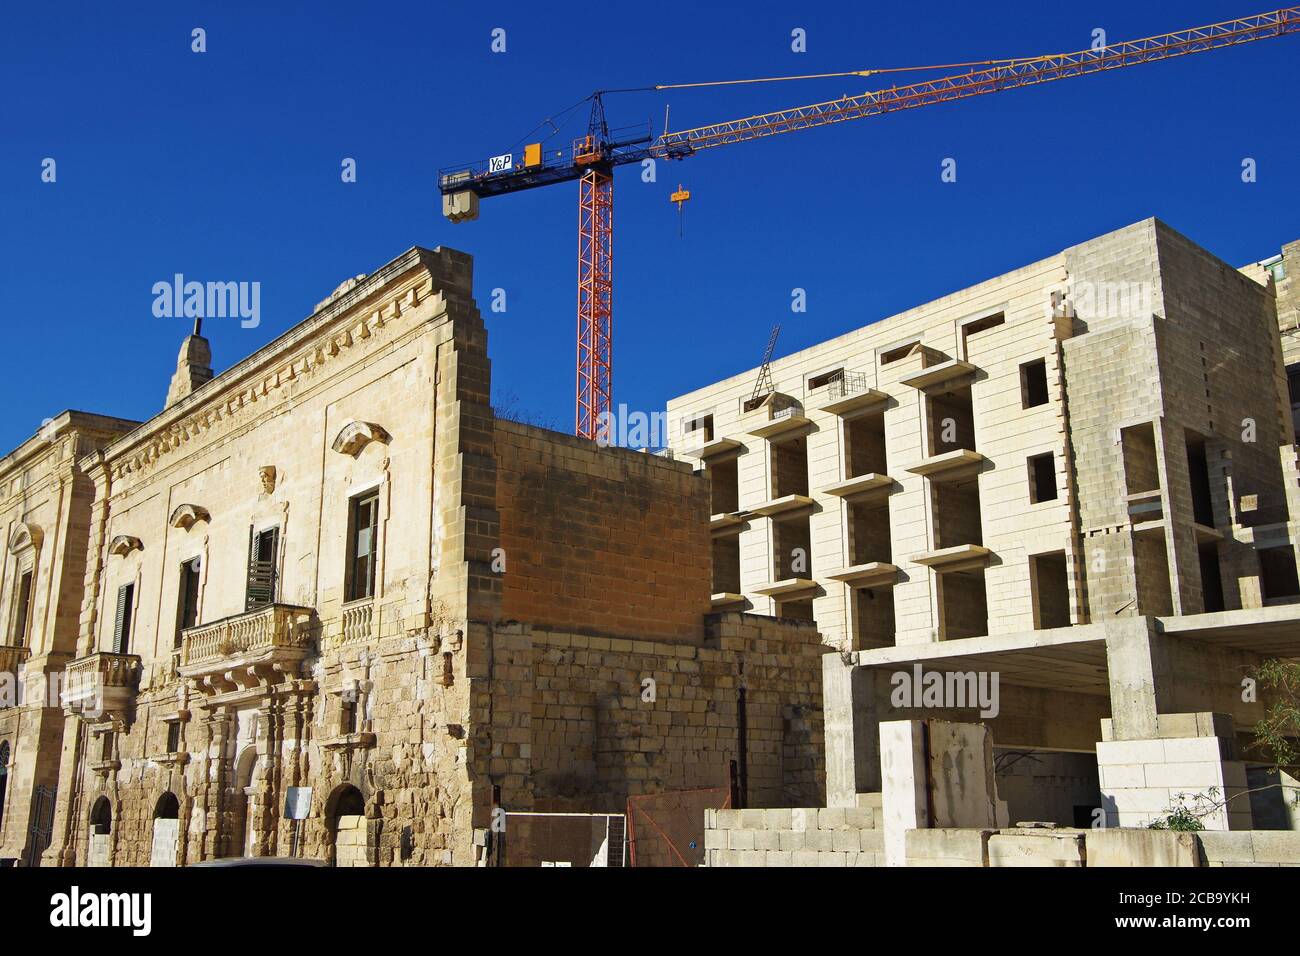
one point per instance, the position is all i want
(593, 157)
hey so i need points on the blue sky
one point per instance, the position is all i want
(225, 166)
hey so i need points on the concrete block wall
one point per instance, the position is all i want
(1142, 780)
(801, 836)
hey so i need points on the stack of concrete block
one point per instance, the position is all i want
(826, 836)
(1146, 779)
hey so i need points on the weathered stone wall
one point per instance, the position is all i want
(574, 727)
(601, 539)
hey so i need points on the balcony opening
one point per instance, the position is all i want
(821, 381)
(724, 487)
(873, 619)
(978, 326)
(790, 467)
(1211, 578)
(956, 513)
(1198, 471)
(963, 605)
(950, 420)
(791, 549)
(1277, 575)
(1049, 583)
(1138, 444)
(864, 451)
(726, 564)
(795, 610)
(869, 538)
(1151, 567)
(1033, 384)
(187, 610)
(899, 352)
(1042, 478)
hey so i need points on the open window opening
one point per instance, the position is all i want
(1049, 582)
(956, 513)
(864, 441)
(963, 605)
(791, 549)
(869, 537)
(790, 467)
(726, 564)
(1042, 478)
(1277, 575)
(1033, 384)
(724, 487)
(950, 420)
(873, 618)
(1198, 471)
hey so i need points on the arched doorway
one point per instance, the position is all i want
(345, 817)
(101, 833)
(242, 816)
(166, 830)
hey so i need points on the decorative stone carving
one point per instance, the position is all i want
(267, 475)
(25, 536)
(357, 435)
(185, 515)
(124, 544)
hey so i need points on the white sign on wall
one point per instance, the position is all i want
(502, 163)
(297, 803)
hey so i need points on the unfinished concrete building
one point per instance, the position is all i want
(1079, 478)
(326, 604)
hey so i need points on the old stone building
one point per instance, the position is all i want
(45, 500)
(1079, 478)
(330, 606)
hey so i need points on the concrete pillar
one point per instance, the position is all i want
(1138, 666)
(935, 774)
(850, 728)
(904, 794)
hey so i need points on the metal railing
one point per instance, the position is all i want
(850, 383)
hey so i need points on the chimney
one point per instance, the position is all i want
(193, 366)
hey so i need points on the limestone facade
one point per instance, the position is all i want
(330, 606)
(45, 506)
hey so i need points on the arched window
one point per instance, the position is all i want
(101, 817)
(4, 776)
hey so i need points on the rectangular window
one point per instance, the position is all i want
(122, 620)
(187, 612)
(22, 609)
(174, 737)
(1042, 478)
(1033, 384)
(263, 551)
(363, 527)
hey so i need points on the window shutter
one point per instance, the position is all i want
(121, 622)
(262, 551)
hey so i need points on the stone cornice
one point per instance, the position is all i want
(365, 311)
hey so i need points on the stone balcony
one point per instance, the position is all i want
(248, 650)
(101, 684)
(12, 657)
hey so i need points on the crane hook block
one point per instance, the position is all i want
(680, 196)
